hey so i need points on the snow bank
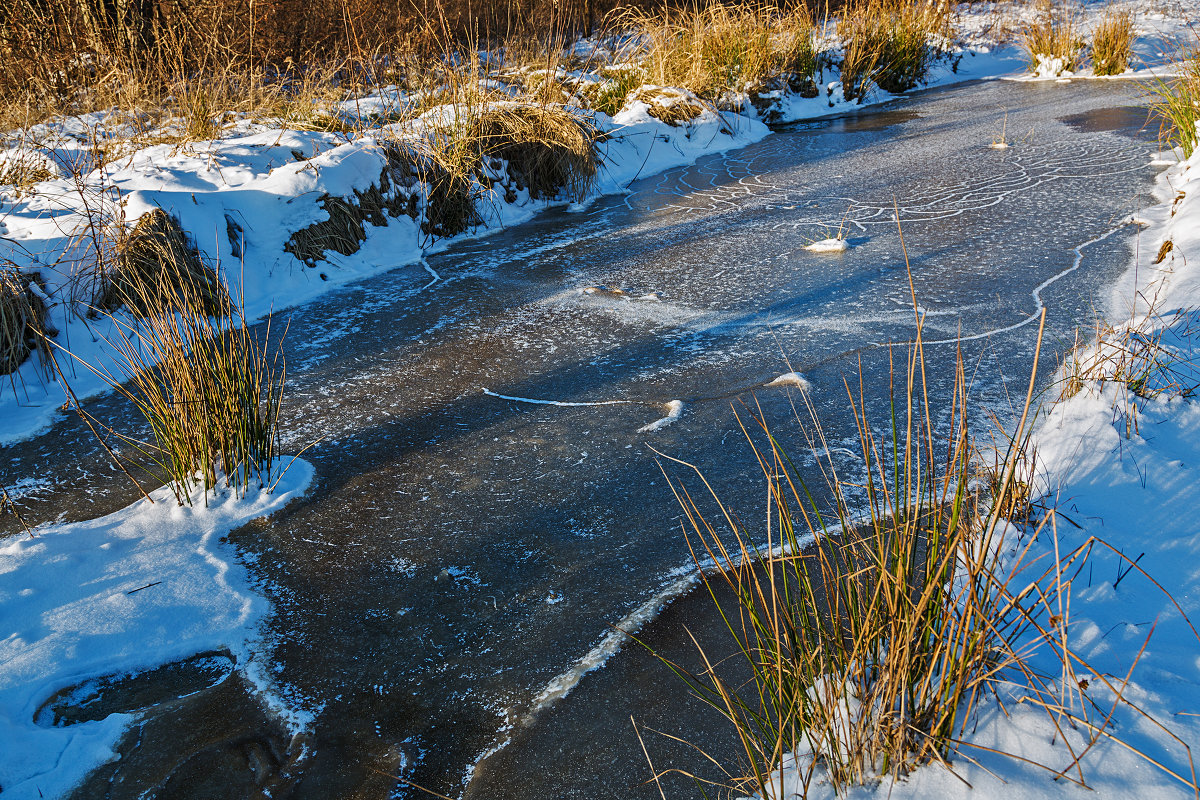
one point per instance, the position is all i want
(148, 585)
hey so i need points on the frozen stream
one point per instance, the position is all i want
(463, 550)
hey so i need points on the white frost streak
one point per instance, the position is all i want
(566, 403)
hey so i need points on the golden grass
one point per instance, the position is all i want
(888, 43)
(672, 106)
(549, 151)
(1054, 36)
(722, 47)
(1112, 43)
(1177, 101)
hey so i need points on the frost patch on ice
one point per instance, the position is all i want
(828, 246)
(674, 412)
(792, 379)
(26, 487)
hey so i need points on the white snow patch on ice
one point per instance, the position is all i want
(674, 412)
(145, 586)
(796, 379)
(829, 246)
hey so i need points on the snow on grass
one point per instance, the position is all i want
(145, 586)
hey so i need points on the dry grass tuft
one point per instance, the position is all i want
(609, 96)
(549, 151)
(159, 269)
(1112, 43)
(1053, 45)
(22, 167)
(1177, 102)
(1164, 250)
(548, 148)
(723, 47)
(23, 322)
(888, 43)
(1137, 356)
(210, 394)
(672, 106)
(871, 636)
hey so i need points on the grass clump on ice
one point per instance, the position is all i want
(889, 43)
(1052, 44)
(208, 386)
(1112, 43)
(721, 48)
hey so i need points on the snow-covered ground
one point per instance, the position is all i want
(145, 586)
(152, 583)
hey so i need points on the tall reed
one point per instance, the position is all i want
(875, 622)
(1112, 43)
(1052, 44)
(888, 43)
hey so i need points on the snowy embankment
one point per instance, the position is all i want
(145, 586)
(247, 199)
